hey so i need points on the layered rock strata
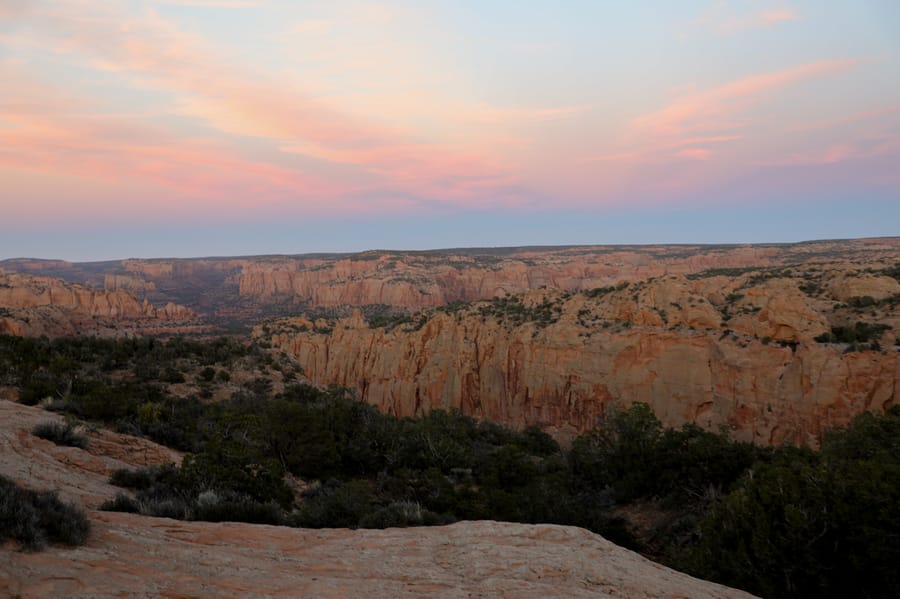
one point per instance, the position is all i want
(32, 305)
(734, 352)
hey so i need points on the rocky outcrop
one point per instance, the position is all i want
(560, 361)
(128, 555)
(430, 279)
(845, 287)
(251, 288)
(32, 305)
(79, 475)
(23, 291)
(133, 285)
(778, 310)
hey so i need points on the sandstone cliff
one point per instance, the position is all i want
(250, 288)
(414, 280)
(128, 283)
(738, 352)
(129, 555)
(47, 306)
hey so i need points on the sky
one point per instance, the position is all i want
(183, 128)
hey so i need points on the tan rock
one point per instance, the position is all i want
(777, 309)
(47, 306)
(878, 288)
(128, 283)
(612, 349)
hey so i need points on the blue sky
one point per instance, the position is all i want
(222, 127)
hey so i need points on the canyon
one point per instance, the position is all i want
(247, 289)
(772, 344)
(752, 353)
(740, 337)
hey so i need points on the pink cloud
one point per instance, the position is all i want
(711, 139)
(611, 157)
(720, 20)
(695, 153)
(867, 115)
(718, 125)
(53, 133)
(239, 102)
(706, 113)
(774, 16)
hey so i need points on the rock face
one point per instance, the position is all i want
(846, 287)
(32, 305)
(249, 289)
(734, 352)
(134, 285)
(78, 475)
(129, 555)
(414, 281)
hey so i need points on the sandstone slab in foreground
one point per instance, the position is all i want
(131, 555)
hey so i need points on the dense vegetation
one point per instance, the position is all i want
(33, 519)
(780, 522)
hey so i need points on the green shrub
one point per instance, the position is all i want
(122, 502)
(61, 433)
(33, 519)
(175, 508)
(172, 375)
(213, 506)
(138, 479)
(812, 524)
(336, 505)
(860, 332)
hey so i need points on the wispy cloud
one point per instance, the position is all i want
(695, 153)
(701, 126)
(719, 109)
(53, 132)
(721, 19)
(241, 102)
(879, 113)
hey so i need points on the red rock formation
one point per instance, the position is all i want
(412, 280)
(663, 342)
(844, 287)
(128, 283)
(251, 288)
(46, 306)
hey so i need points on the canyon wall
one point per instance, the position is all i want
(414, 281)
(247, 289)
(736, 352)
(32, 305)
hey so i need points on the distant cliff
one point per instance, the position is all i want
(734, 351)
(32, 305)
(247, 289)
